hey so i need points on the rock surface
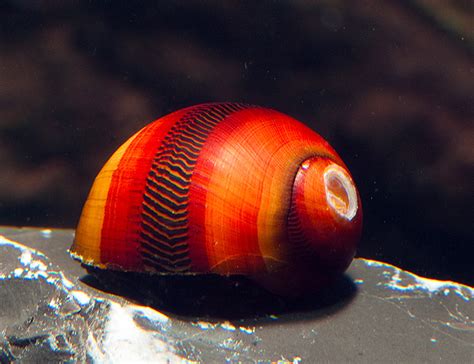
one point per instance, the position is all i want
(51, 311)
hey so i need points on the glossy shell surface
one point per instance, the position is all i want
(223, 188)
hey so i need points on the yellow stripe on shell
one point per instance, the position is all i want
(89, 231)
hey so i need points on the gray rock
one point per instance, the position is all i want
(52, 311)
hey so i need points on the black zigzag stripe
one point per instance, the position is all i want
(164, 229)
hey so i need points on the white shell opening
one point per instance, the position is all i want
(341, 194)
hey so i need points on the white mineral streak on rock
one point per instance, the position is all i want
(81, 297)
(404, 281)
(54, 303)
(66, 282)
(295, 360)
(376, 263)
(46, 233)
(205, 325)
(25, 257)
(247, 330)
(126, 342)
(17, 273)
(153, 315)
(32, 261)
(93, 349)
(21, 247)
(226, 325)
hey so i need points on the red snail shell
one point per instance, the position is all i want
(224, 188)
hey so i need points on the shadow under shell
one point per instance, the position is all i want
(216, 296)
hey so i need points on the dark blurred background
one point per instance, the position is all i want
(388, 83)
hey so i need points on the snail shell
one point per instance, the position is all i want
(224, 188)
